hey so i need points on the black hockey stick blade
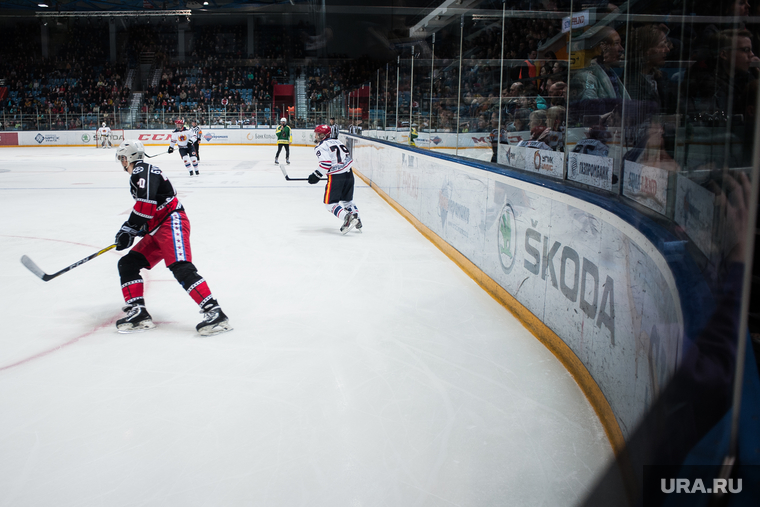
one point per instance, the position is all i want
(31, 266)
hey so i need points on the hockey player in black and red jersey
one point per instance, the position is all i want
(158, 210)
(196, 135)
(335, 161)
(183, 139)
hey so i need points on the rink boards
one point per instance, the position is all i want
(589, 284)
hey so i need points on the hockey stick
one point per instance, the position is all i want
(157, 155)
(288, 178)
(34, 268)
(31, 266)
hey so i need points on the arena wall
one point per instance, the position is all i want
(211, 136)
(594, 288)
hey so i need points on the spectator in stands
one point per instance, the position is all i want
(554, 134)
(558, 93)
(516, 91)
(537, 125)
(520, 121)
(648, 51)
(599, 80)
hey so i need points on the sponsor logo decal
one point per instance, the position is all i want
(579, 278)
(507, 238)
(49, 138)
(436, 140)
(253, 136)
(154, 137)
(208, 136)
(459, 212)
(409, 183)
(85, 138)
(638, 183)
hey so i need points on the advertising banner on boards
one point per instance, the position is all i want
(590, 276)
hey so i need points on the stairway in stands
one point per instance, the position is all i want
(302, 107)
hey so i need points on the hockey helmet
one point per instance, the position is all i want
(180, 122)
(320, 132)
(283, 120)
(104, 124)
(132, 150)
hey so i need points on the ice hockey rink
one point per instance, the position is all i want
(363, 370)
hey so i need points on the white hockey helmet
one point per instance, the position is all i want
(104, 124)
(132, 150)
(283, 120)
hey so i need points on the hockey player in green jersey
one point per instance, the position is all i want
(284, 138)
(413, 135)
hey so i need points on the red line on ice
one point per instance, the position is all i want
(73, 340)
(58, 347)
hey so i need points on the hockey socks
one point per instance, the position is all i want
(132, 286)
(133, 292)
(192, 282)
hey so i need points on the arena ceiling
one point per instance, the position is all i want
(210, 6)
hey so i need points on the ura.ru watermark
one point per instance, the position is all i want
(724, 486)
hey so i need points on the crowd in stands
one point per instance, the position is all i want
(66, 90)
(74, 88)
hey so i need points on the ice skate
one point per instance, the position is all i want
(276, 162)
(287, 161)
(191, 174)
(214, 321)
(197, 173)
(358, 222)
(349, 222)
(137, 319)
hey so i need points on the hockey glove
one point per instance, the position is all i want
(313, 178)
(171, 149)
(126, 236)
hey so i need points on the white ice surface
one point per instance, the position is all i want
(363, 370)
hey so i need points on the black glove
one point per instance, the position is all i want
(171, 149)
(126, 236)
(313, 178)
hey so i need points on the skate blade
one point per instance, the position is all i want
(136, 329)
(350, 226)
(216, 329)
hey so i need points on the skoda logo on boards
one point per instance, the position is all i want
(85, 138)
(507, 238)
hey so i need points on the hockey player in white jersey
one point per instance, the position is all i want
(196, 136)
(104, 133)
(183, 138)
(335, 162)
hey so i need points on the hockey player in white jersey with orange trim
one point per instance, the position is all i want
(104, 133)
(335, 162)
(184, 139)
